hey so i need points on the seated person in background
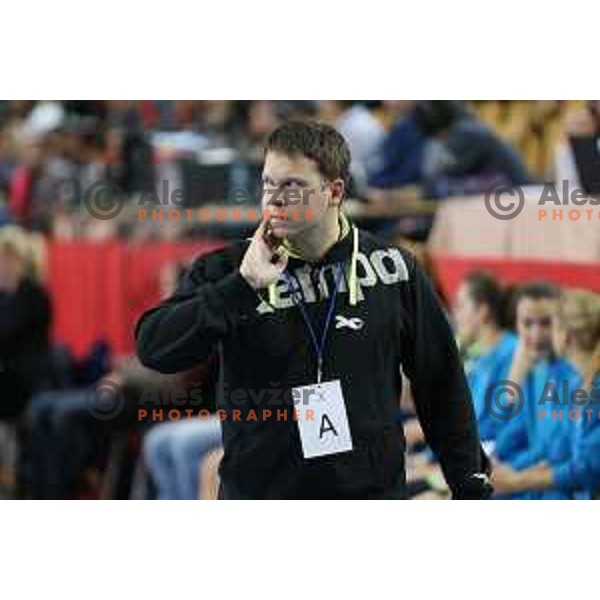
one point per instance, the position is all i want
(447, 151)
(522, 439)
(25, 317)
(173, 453)
(463, 155)
(395, 175)
(401, 153)
(528, 362)
(572, 470)
(480, 318)
(361, 129)
(65, 436)
(580, 123)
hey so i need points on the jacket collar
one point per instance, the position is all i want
(341, 250)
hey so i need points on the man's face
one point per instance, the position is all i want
(295, 183)
(534, 324)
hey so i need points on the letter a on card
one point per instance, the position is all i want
(328, 430)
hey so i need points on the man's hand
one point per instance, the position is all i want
(262, 263)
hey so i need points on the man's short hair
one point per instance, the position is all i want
(317, 141)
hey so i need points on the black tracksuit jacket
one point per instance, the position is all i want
(265, 351)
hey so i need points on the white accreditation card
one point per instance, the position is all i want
(322, 419)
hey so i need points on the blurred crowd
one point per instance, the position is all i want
(408, 156)
(53, 152)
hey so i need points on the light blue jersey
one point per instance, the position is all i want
(483, 371)
(576, 472)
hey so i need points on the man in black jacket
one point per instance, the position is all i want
(308, 409)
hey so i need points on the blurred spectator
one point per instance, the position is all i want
(64, 437)
(173, 453)
(24, 323)
(463, 155)
(480, 318)
(7, 164)
(582, 122)
(571, 471)
(262, 118)
(24, 330)
(401, 153)
(361, 129)
(521, 440)
(46, 116)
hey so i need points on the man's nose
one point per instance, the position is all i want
(276, 197)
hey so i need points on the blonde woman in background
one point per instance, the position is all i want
(24, 334)
(24, 321)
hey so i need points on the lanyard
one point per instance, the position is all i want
(318, 345)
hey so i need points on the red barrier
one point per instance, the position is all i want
(449, 272)
(98, 290)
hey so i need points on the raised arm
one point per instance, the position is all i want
(182, 331)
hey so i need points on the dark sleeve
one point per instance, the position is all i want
(441, 393)
(182, 332)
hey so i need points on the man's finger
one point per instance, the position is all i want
(279, 259)
(261, 229)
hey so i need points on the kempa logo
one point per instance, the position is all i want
(384, 266)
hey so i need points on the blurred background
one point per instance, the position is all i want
(72, 285)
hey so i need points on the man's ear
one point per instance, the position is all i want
(338, 188)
